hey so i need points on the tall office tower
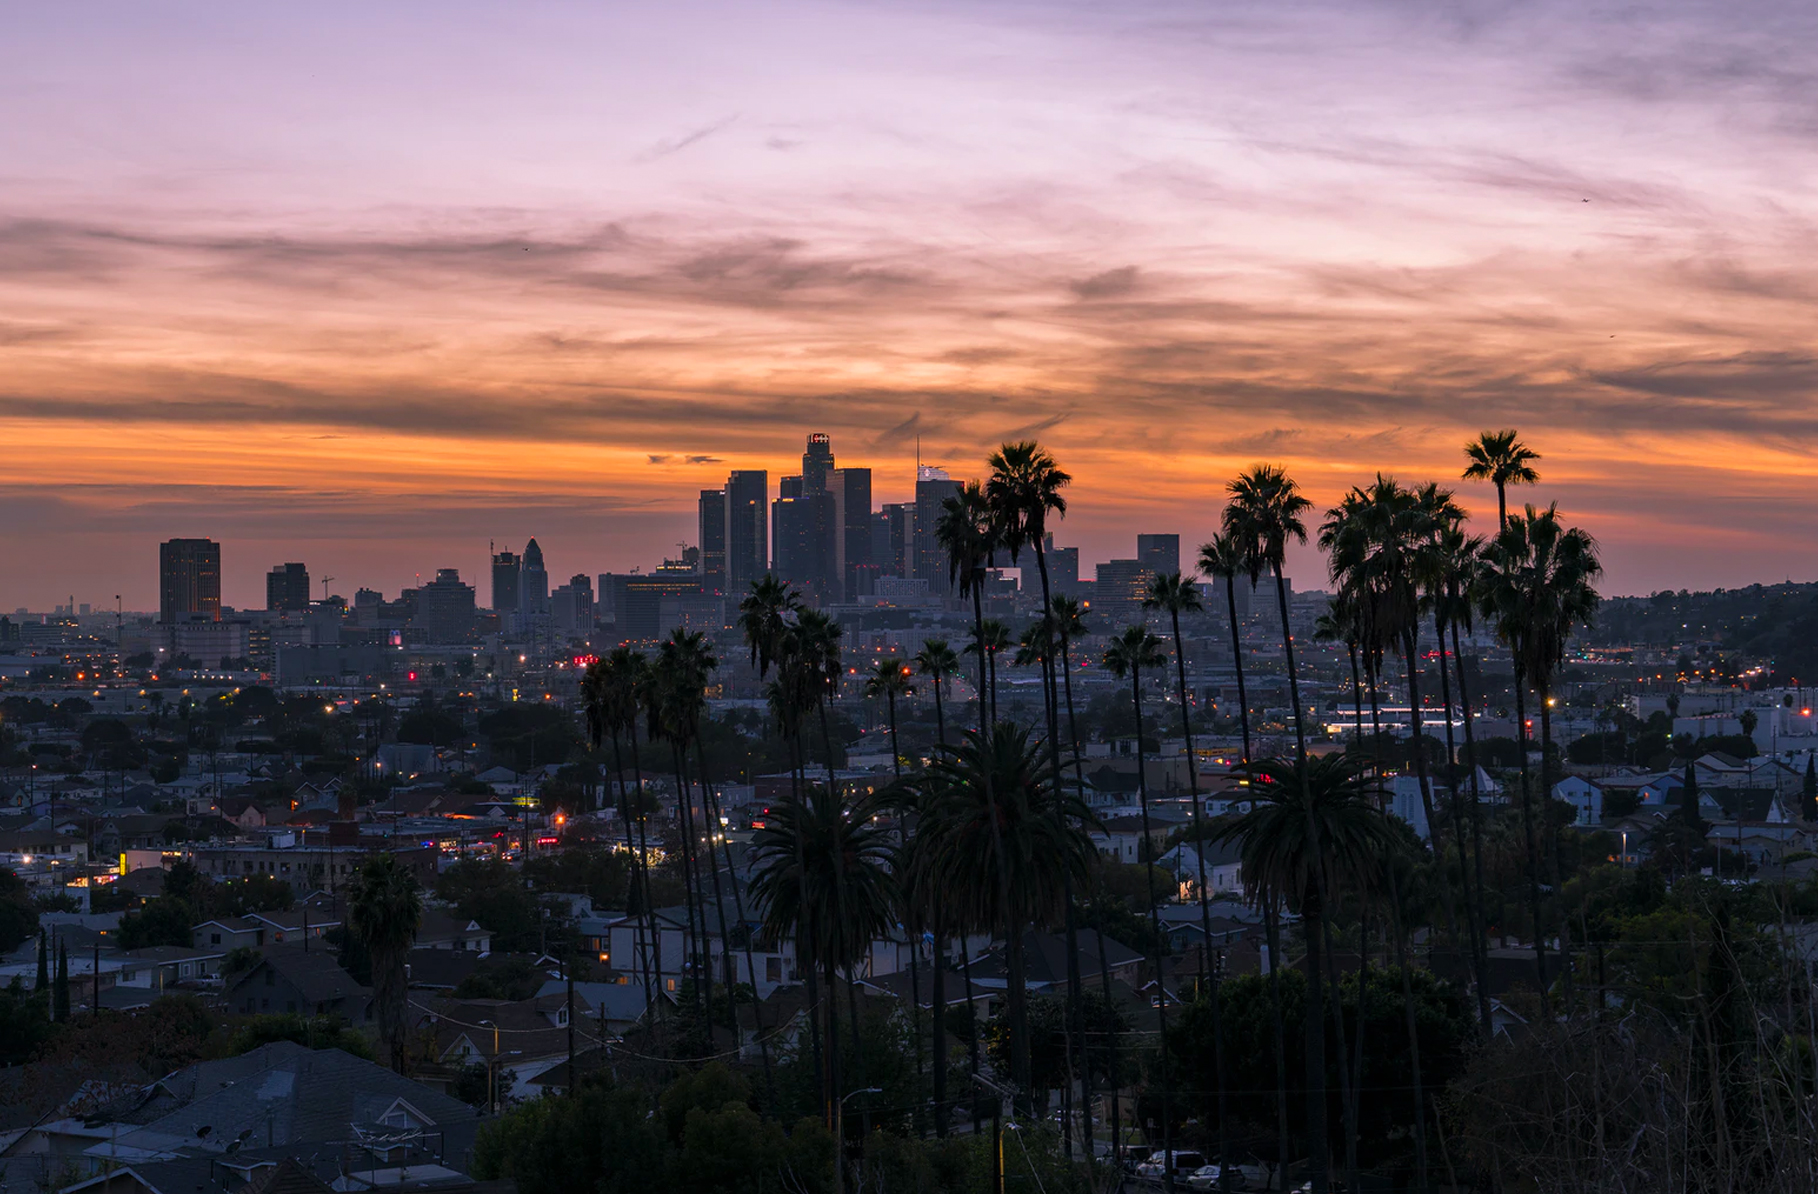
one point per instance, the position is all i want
(817, 461)
(505, 580)
(713, 540)
(1122, 584)
(1160, 554)
(287, 588)
(852, 556)
(1063, 567)
(932, 487)
(445, 608)
(533, 582)
(893, 540)
(804, 528)
(189, 580)
(747, 543)
(571, 605)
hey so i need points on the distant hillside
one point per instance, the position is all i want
(1779, 622)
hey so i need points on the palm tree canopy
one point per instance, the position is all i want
(764, 614)
(1037, 643)
(889, 679)
(384, 906)
(936, 659)
(970, 534)
(1133, 650)
(992, 635)
(1043, 830)
(1173, 594)
(1024, 488)
(822, 873)
(1500, 458)
(1069, 617)
(1536, 582)
(1278, 857)
(1265, 511)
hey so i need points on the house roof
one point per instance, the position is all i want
(294, 1095)
(316, 975)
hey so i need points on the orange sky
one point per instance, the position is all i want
(370, 290)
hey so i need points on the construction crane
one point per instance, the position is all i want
(325, 581)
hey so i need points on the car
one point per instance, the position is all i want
(1155, 1169)
(1205, 1178)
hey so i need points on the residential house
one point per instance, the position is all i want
(440, 930)
(289, 980)
(1584, 795)
(1220, 862)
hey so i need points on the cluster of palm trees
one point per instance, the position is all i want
(990, 837)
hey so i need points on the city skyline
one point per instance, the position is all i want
(315, 295)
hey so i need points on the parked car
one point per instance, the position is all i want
(1155, 1169)
(1205, 1178)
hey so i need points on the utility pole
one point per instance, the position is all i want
(573, 1078)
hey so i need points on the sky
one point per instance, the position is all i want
(370, 286)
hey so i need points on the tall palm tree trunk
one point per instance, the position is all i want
(1483, 944)
(806, 963)
(697, 917)
(639, 882)
(1527, 826)
(1357, 1041)
(1410, 653)
(1316, 1037)
(972, 1034)
(710, 822)
(915, 942)
(738, 907)
(1347, 1077)
(650, 930)
(1473, 910)
(1076, 1023)
(939, 1026)
(1018, 1008)
(1079, 780)
(1407, 1004)
(1554, 833)
(1207, 979)
(1237, 661)
(1161, 990)
(1283, 1143)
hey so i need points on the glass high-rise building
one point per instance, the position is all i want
(713, 540)
(932, 488)
(533, 581)
(747, 528)
(505, 571)
(852, 554)
(189, 580)
(1160, 554)
(287, 588)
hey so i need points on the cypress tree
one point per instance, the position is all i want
(43, 982)
(1810, 809)
(1688, 798)
(60, 997)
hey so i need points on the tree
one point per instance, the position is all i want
(822, 874)
(24, 1023)
(1809, 794)
(1500, 458)
(60, 992)
(970, 536)
(937, 661)
(18, 913)
(384, 908)
(1294, 844)
(1127, 655)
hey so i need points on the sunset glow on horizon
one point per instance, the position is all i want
(370, 287)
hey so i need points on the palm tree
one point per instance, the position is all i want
(999, 842)
(937, 661)
(889, 679)
(1503, 460)
(990, 638)
(1226, 558)
(1537, 583)
(1293, 845)
(384, 908)
(822, 873)
(609, 691)
(1127, 655)
(1177, 594)
(671, 696)
(1068, 617)
(1459, 558)
(970, 535)
(764, 614)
